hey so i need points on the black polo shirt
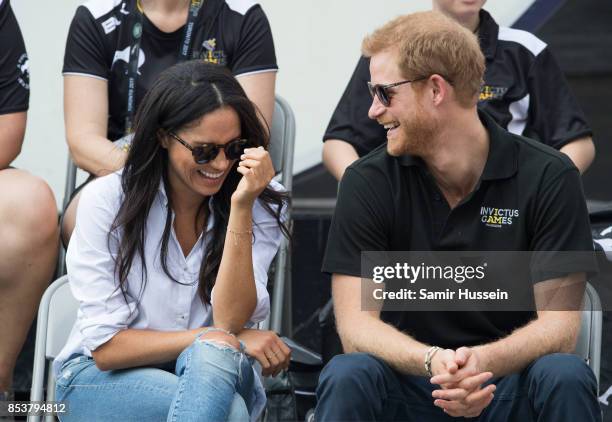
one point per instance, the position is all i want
(14, 68)
(525, 92)
(390, 203)
(100, 37)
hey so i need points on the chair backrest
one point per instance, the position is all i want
(589, 341)
(63, 309)
(282, 140)
(282, 143)
(56, 316)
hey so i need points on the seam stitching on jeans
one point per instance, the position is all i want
(181, 386)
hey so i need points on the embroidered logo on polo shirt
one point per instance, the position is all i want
(211, 54)
(498, 217)
(489, 92)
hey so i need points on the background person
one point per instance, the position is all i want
(424, 191)
(179, 240)
(97, 61)
(524, 90)
(28, 212)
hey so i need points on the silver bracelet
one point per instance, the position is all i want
(428, 358)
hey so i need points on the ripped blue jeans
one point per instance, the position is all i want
(212, 381)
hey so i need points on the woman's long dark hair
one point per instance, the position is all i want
(181, 96)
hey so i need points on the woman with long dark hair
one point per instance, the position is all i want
(169, 262)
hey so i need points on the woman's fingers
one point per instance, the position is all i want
(250, 163)
(282, 357)
(266, 366)
(269, 350)
(274, 362)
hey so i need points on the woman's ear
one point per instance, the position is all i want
(162, 136)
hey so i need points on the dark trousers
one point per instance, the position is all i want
(360, 387)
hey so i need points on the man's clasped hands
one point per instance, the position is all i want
(460, 375)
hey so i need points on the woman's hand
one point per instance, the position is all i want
(257, 172)
(269, 350)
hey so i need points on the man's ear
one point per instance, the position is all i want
(162, 137)
(440, 89)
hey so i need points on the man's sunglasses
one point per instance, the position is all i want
(381, 90)
(202, 154)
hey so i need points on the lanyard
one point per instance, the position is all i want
(132, 73)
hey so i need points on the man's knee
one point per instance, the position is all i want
(347, 371)
(563, 371)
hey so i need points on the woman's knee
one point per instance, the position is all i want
(219, 337)
(211, 345)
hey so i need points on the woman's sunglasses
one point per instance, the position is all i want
(202, 154)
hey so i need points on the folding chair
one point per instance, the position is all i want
(588, 345)
(56, 316)
(282, 142)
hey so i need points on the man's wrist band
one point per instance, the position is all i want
(428, 358)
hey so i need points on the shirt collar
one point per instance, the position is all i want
(488, 32)
(501, 161)
(411, 160)
(162, 193)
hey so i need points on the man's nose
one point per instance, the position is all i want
(376, 109)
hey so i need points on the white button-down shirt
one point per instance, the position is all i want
(160, 303)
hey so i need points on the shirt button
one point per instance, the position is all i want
(436, 197)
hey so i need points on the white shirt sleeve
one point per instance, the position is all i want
(103, 309)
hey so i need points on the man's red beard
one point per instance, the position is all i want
(417, 135)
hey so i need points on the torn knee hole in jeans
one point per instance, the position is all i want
(219, 344)
(223, 346)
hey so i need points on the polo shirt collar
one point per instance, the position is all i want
(501, 161)
(411, 160)
(488, 32)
